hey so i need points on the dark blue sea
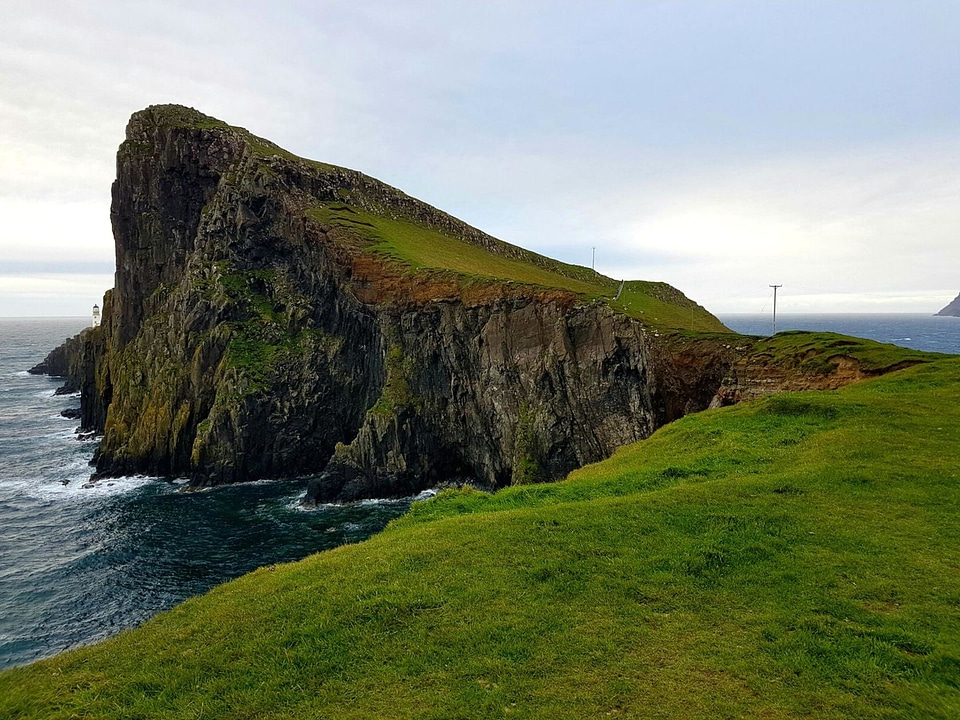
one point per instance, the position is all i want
(78, 564)
(920, 332)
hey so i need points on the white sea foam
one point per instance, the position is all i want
(64, 434)
(293, 502)
(80, 488)
(296, 504)
(66, 477)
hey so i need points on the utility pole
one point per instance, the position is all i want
(775, 307)
(593, 261)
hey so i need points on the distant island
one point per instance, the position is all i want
(953, 309)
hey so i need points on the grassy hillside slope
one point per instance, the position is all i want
(420, 248)
(798, 556)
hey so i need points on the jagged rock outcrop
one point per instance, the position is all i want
(952, 309)
(57, 362)
(253, 334)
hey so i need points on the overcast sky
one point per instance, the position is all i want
(720, 146)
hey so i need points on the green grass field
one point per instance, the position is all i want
(794, 557)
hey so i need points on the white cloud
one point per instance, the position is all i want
(55, 231)
(56, 295)
(856, 230)
(721, 153)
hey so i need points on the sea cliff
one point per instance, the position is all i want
(276, 317)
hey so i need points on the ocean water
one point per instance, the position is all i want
(911, 330)
(79, 564)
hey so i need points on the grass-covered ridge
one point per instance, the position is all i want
(822, 351)
(419, 247)
(792, 557)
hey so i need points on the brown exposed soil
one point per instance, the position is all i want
(376, 281)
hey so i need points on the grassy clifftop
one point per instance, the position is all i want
(417, 247)
(792, 557)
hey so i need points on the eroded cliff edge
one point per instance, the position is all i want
(277, 317)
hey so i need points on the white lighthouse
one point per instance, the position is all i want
(96, 315)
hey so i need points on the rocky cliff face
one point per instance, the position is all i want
(953, 309)
(512, 391)
(249, 335)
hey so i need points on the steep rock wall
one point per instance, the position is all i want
(511, 391)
